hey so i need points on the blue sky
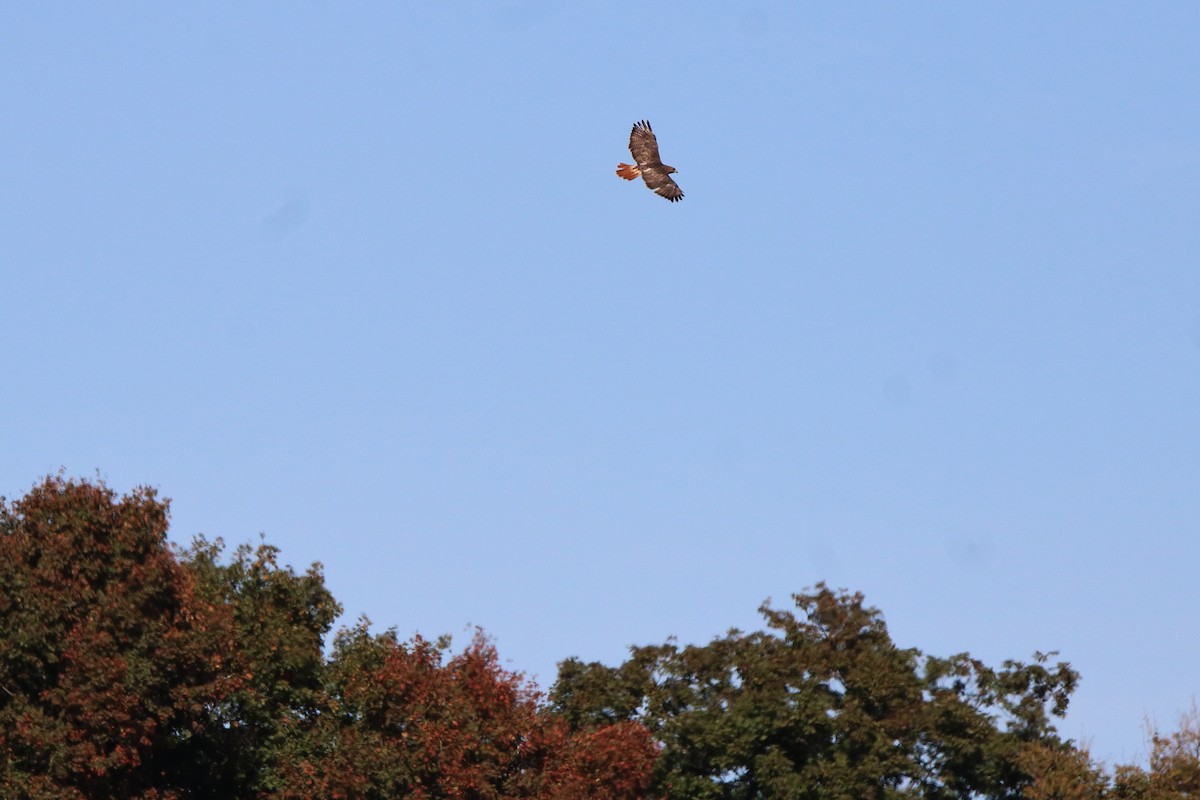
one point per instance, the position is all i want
(361, 278)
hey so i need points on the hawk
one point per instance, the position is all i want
(657, 175)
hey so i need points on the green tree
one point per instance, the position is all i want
(280, 620)
(822, 705)
(108, 664)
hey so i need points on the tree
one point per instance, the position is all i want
(401, 723)
(1174, 769)
(1068, 773)
(108, 664)
(1175, 758)
(1062, 773)
(129, 672)
(822, 705)
(280, 620)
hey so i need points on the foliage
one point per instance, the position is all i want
(1173, 772)
(128, 670)
(108, 664)
(279, 620)
(1174, 769)
(1061, 773)
(823, 705)
(402, 723)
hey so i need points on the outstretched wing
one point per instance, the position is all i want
(643, 144)
(660, 181)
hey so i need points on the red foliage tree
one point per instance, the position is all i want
(128, 672)
(404, 724)
(108, 665)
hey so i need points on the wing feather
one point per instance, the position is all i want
(662, 183)
(643, 144)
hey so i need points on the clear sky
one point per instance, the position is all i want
(360, 277)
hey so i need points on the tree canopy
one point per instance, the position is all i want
(128, 670)
(110, 664)
(132, 669)
(822, 704)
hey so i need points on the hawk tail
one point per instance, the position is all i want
(628, 171)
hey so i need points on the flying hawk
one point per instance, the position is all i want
(656, 174)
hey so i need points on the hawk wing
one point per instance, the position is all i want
(658, 180)
(644, 145)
